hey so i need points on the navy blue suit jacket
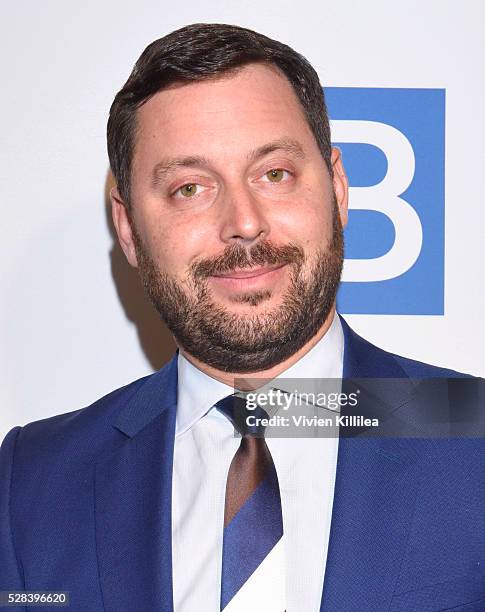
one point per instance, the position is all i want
(85, 505)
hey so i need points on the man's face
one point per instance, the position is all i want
(236, 223)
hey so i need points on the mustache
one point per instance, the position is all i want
(237, 256)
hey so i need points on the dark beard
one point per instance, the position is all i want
(246, 343)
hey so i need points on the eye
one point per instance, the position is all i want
(188, 191)
(276, 175)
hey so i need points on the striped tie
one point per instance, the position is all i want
(252, 552)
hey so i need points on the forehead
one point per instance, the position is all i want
(238, 111)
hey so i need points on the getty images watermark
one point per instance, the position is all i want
(281, 405)
(368, 407)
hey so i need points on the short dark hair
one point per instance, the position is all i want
(203, 51)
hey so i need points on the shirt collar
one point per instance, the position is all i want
(198, 392)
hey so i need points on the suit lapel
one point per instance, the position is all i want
(133, 493)
(375, 491)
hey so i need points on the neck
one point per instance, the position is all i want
(244, 380)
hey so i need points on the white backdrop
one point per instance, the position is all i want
(73, 321)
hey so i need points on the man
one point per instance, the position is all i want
(230, 201)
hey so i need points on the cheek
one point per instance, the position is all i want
(174, 243)
(307, 221)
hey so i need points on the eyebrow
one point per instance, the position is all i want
(289, 145)
(166, 167)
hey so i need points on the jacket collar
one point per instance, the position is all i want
(156, 395)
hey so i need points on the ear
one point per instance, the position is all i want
(340, 185)
(122, 222)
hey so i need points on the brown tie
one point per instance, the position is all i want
(253, 522)
(249, 466)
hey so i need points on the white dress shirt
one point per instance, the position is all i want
(204, 447)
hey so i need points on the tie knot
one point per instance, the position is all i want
(247, 421)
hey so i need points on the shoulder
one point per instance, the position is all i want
(419, 369)
(82, 433)
(371, 360)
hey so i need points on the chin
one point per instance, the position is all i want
(250, 301)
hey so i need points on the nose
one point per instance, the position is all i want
(242, 217)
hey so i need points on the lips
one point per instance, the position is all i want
(249, 272)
